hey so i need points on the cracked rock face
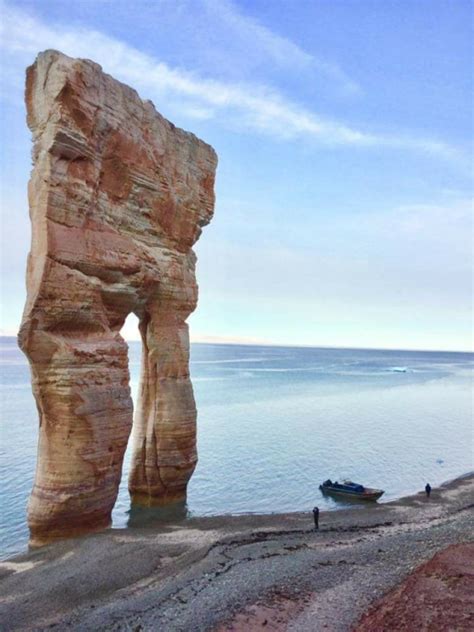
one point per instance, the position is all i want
(118, 196)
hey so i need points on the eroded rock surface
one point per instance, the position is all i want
(118, 196)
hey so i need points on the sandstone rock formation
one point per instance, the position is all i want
(118, 196)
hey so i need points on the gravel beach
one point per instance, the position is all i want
(225, 573)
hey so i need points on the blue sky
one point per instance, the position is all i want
(343, 128)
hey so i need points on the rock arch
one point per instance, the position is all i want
(118, 196)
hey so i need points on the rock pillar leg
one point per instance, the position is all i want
(164, 435)
(85, 409)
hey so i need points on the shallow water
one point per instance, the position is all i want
(273, 423)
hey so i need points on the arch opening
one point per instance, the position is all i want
(127, 511)
(131, 334)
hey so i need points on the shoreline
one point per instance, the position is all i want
(234, 566)
(13, 336)
(159, 523)
(350, 505)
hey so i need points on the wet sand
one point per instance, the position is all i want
(251, 572)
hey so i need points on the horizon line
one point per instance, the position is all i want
(318, 346)
(247, 343)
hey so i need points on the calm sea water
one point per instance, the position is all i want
(273, 423)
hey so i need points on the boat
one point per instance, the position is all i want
(349, 489)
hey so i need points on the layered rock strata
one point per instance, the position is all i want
(118, 196)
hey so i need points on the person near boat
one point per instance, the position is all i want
(316, 518)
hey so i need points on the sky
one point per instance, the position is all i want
(344, 133)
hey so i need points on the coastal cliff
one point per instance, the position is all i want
(118, 196)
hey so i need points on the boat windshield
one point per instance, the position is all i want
(350, 486)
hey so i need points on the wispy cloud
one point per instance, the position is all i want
(254, 107)
(278, 50)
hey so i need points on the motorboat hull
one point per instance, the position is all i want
(367, 494)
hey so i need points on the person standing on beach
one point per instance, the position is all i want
(316, 518)
(428, 490)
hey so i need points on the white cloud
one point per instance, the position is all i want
(250, 107)
(276, 48)
(280, 49)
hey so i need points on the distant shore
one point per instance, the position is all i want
(232, 342)
(234, 572)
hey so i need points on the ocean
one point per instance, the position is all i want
(274, 422)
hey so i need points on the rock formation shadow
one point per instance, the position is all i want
(152, 517)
